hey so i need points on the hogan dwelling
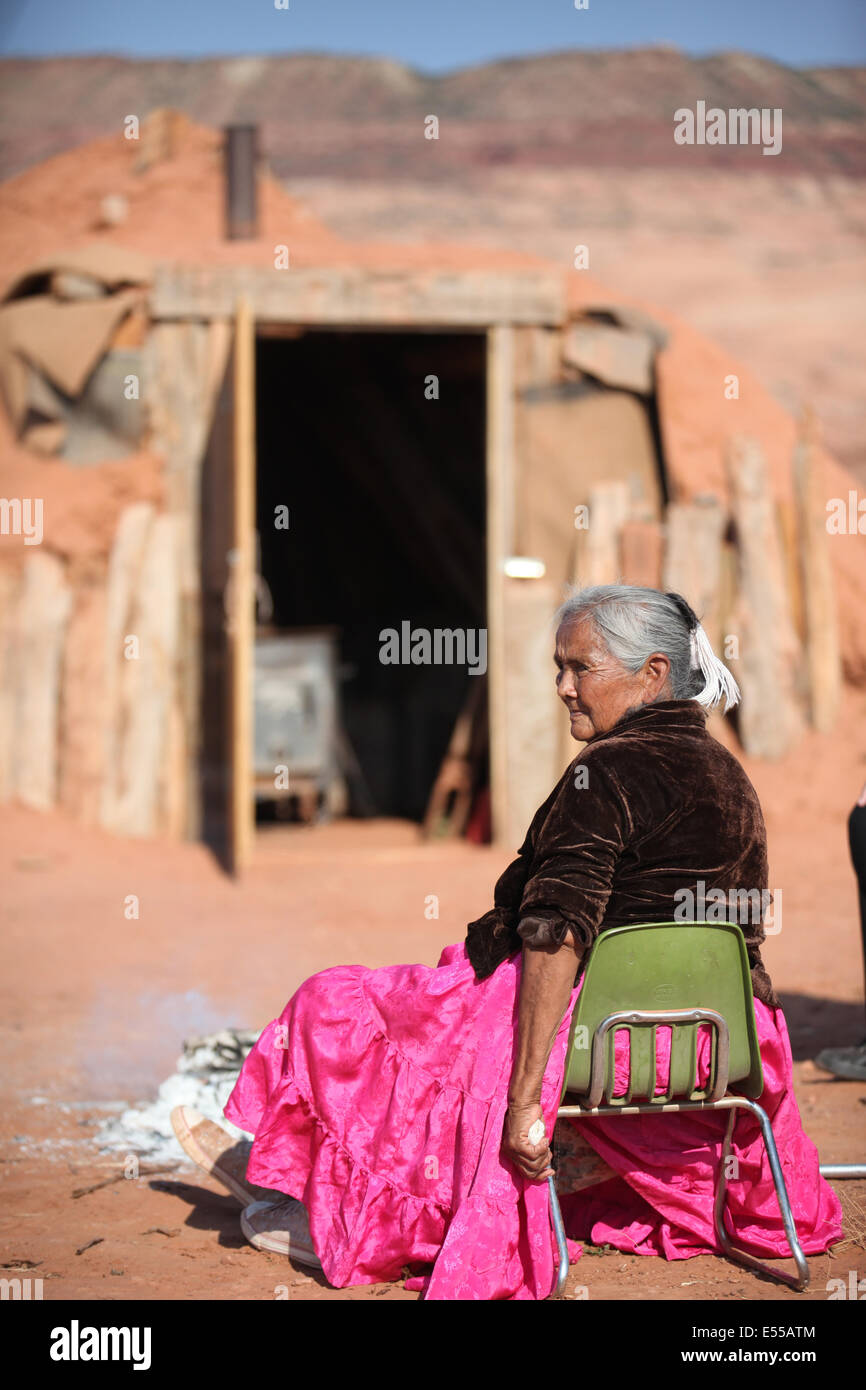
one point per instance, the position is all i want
(239, 452)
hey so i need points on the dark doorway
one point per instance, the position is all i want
(386, 497)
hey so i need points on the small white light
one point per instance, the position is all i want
(524, 567)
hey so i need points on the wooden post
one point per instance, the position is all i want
(124, 571)
(43, 610)
(147, 683)
(820, 608)
(242, 634)
(186, 366)
(692, 565)
(642, 552)
(599, 558)
(10, 584)
(770, 716)
(500, 494)
(84, 709)
(727, 604)
(786, 512)
(534, 712)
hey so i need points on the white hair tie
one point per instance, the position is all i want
(718, 681)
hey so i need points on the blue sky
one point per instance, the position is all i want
(434, 34)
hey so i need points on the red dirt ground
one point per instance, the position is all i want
(95, 1008)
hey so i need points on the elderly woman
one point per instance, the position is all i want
(398, 1106)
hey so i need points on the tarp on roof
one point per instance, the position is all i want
(51, 340)
(111, 265)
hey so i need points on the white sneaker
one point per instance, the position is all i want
(281, 1227)
(218, 1153)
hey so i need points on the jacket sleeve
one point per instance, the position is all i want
(575, 859)
(493, 937)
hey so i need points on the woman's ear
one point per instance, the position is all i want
(657, 669)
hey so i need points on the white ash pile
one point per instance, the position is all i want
(206, 1073)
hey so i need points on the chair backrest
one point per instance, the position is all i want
(660, 967)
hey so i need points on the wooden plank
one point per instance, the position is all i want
(174, 784)
(599, 557)
(242, 622)
(147, 683)
(619, 357)
(357, 295)
(10, 583)
(820, 605)
(534, 712)
(217, 548)
(537, 357)
(693, 568)
(500, 493)
(770, 717)
(84, 711)
(450, 801)
(786, 513)
(44, 602)
(692, 563)
(642, 547)
(186, 365)
(124, 568)
(728, 591)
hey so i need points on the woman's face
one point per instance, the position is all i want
(596, 690)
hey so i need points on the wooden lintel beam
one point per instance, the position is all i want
(356, 295)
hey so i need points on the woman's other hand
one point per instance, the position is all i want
(533, 1161)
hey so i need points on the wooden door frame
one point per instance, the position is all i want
(242, 618)
(500, 466)
(499, 528)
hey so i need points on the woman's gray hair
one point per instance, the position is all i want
(633, 622)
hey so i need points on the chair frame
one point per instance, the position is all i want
(717, 1098)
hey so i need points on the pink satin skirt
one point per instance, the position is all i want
(378, 1096)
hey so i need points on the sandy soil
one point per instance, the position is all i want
(95, 1008)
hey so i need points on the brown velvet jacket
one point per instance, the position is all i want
(665, 807)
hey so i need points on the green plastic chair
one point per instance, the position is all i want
(683, 975)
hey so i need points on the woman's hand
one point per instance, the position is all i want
(533, 1161)
(546, 983)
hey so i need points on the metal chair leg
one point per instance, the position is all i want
(561, 1246)
(801, 1279)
